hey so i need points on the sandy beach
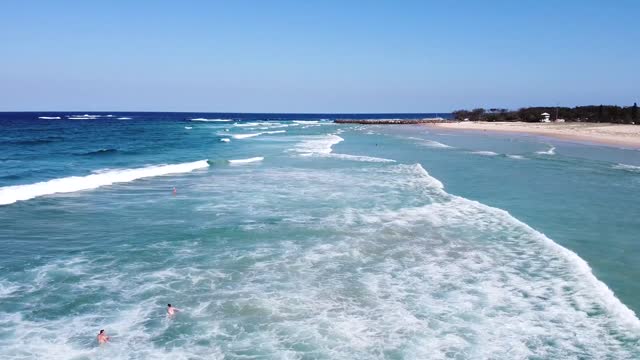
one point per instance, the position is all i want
(600, 133)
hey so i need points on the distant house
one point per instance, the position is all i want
(545, 117)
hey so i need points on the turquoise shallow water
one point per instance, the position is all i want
(323, 241)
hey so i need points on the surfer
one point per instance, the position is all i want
(174, 190)
(171, 311)
(102, 338)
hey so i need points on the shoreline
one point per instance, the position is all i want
(617, 135)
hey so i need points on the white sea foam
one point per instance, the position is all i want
(49, 117)
(124, 118)
(399, 268)
(225, 140)
(256, 123)
(626, 167)
(250, 135)
(360, 158)
(245, 136)
(435, 144)
(317, 144)
(485, 153)
(188, 127)
(322, 146)
(277, 126)
(211, 120)
(550, 151)
(83, 117)
(11, 194)
(517, 157)
(306, 122)
(246, 161)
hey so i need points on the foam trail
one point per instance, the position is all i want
(322, 146)
(256, 123)
(465, 206)
(275, 132)
(485, 153)
(11, 194)
(435, 144)
(318, 144)
(245, 136)
(305, 122)
(246, 161)
(630, 168)
(83, 117)
(550, 151)
(211, 120)
(517, 157)
(124, 118)
(49, 117)
(360, 158)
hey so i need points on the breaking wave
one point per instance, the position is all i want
(485, 153)
(211, 120)
(322, 146)
(550, 151)
(626, 167)
(246, 161)
(11, 194)
(435, 144)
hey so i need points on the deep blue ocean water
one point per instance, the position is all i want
(289, 236)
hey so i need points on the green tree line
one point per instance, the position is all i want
(591, 113)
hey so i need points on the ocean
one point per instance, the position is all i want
(291, 237)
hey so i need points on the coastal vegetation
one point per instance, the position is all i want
(591, 113)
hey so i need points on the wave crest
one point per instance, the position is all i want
(12, 194)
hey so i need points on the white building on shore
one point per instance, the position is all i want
(545, 117)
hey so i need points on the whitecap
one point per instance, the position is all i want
(246, 161)
(485, 153)
(11, 194)
(626, 167)
(517, 157)
(359, 158)
(211, 120)
(188, 127)
(317, 144)
(435, 144)
(83, 117)
(306, 122)
(550, 151)
(49, 117)
(322, 146)
(225, 140)
(245, 136)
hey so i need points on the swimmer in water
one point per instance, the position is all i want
(171, 311)
(102, 338)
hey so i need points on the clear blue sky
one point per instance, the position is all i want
(316, 56)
